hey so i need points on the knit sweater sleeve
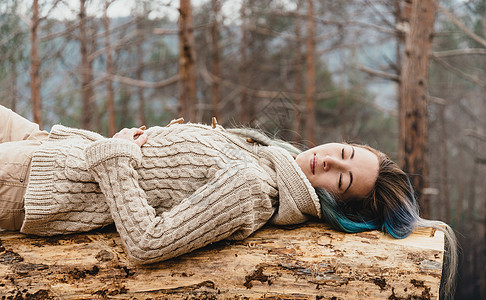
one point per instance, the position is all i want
(230, 204)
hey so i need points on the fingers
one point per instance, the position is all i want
(135, 135)
(141, 139)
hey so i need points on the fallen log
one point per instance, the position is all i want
(309, 261)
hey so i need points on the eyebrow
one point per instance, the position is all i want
(350, 181)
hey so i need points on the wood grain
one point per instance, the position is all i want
(304, 262)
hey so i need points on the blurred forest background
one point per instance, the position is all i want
(406, 76)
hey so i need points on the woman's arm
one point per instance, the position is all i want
(230, 203)
(13, 127)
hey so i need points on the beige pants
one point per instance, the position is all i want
(19, 138)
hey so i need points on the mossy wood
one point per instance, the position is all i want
(305, 262)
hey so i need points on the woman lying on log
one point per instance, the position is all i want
(170, 190)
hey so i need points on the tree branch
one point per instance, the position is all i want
(463, 27)
(163, 31)
(60, 33)
(378, 73)
(456, 52)
(475, 134)
(140, 83)
(457, 71)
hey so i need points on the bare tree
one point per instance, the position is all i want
(139, 73)
(86, 68)
(35, 65)
(110, 94)
(187, 62)
(243, 67)
(413, 96)
(215, 88)
(299, 70)
(310, 83)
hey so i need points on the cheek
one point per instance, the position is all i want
(324, 181)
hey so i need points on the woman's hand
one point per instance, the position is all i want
(135, 135)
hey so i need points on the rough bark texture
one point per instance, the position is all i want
(35, 66)
(86, 69)
(110, 93)
(140, 68)
(297, 124)
(305, 262)
(310, 84)
(245, 101)
(413, 97)
(187, 63)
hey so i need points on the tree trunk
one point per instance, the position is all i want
(461, 193)
(187, 62)
(444, 200)
(307, 262)
(413, 97)
(342, 110)
(35, 66)
(215, 92)
(86, 74)
(244, 101)
(310, 84)
(13, 88)
(299, 59)
(110, 94)
(141, 98)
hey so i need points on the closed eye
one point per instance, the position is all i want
(342, 153)
(340, 180)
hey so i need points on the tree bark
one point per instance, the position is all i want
(444, 201)
(244, 100)
(413, 96)
(140, 66)
(310, 84)
(215, 90)
(298, 124)
(86, 72)
(35, 66)
(110, 94)
(187, 62)
(14, 93)
(307, 262)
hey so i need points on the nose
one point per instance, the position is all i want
(330, 162)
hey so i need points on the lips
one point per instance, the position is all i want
(313, 164)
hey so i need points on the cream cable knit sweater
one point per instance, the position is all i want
(188, 186)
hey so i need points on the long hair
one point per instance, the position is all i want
(390, 207)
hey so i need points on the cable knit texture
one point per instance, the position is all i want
(188, 186)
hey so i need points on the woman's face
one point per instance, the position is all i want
(344, 170)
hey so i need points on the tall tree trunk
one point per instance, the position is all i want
(140, 90)
(86, 74)
(413, 96)
(298, 120)
(482, 185)
(470, 230)
(444, 200)
(13, 85)
(35, 66)
(110, 94)
(460, 193)
(310, 84)
(245, 119)
(215, 92)
(125, 98)
(187, 62)
(342, 110)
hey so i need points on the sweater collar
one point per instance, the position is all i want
(297, 198)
